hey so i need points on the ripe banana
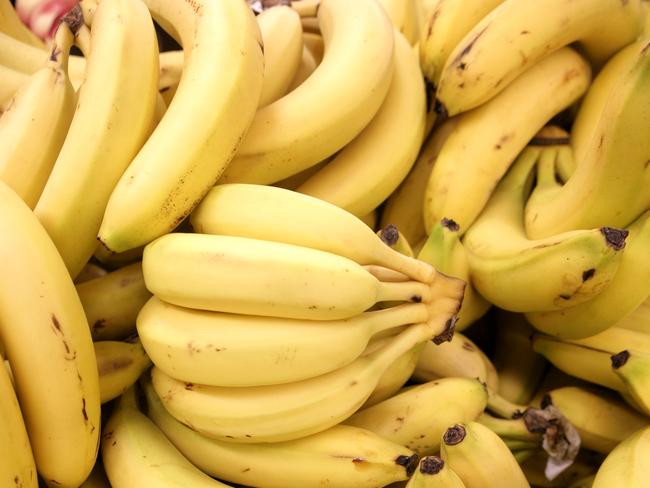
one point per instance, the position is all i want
(10, 82)
(113, 260)
(284, 138)
(11, 25)
(518, 34)
(402, 14)
(393, 238)
(136, 452)
(433, 472)
(627, 464)
(487, 140)
(416, 417)
(404, 207)
(33, 128)
(170, 65)
(276, 214)
(600, 418)
(369, 168)
(576, 265)
(47, 341)
(218, 92)
(478, 456)
(445, 252)
(633, 367)
(342, 456)
(282, 38)
(282, 412)
(119, 364)
(638, 319)
(446, 25)
(16, 460)
(89, 272)
(307, 66)
(629, 288)
(112, 302)
(97, 478)
(613, 170)
(511, 429)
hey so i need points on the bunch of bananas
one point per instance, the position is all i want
(325, 243)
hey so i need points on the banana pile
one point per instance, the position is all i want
(326, 243)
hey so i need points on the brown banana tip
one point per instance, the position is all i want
(615, 238)
(535, 421)
(546, 401)
(409, 463)
(450, 224)
(74, 18)
(619, 360)
(454, 435)
(390, 235)
(431, 465)
(448, 333)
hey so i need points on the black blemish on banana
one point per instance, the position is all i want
(588, 274)
(450, 224)
(619, 360)
(467, 49)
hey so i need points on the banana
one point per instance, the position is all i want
(119, 364)
(11, 25)
(113, 119)
(627, 464)
(310, 25)
(136, 452)
(445, 252)
(479, 456)
(633, 367)
(276, 214)
(638, 319)
(315, 45)
(113, 260)
(520, 369)
(97, 478)
(282, 37)
(17, 466)
(306, 8)
(577, 265)
(307, 66)
(89, 272)
(112, 302)
(393, 238)
(404, 207)
(511, 429)
(282, 412)
(222, 349)
(518, 34)
(487, 140)
(284, 138)
(403, 15)
(601, 419)
(613, 169)
(459, 357)
(33, 128)
(370, 167)
(445, 26)
(416, 417)
(433, 472)
(10, 82)
(341, 456)
(218, 92)
(47, 341)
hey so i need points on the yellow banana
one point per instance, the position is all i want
(633, 367)
(393, 238)
(315, 45)
(487, 140)
(47, 341)
(170, 65)
(89, 272)
(433, 472)
(517, 34)
(416, 417)
(119, 364)
(342, 456)
(307, 66)
(33, 128)
(403, 15)
(10, 82)
(370, 167)
(11, 24)
(218, 91)
(638, 319)
(284, 138)
(276, 214)
(627, 464)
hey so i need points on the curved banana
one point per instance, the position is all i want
(34, 128)
(518, 34)
(393, 238)
(17, 466)
(136, 452)
(276, 214)
(119, 364)
(113, 260)
(112, 121)
(282, 412)
(433, 472)
(576, 265)
(404, 207)
(89, 272)
(218, 92)
(446, 25)
(600, 418)
(346, 91)
(47, 341)
(487, 140)
(516, 429)
(627, 464)
(221, 349)
(371, 166)
(343, 456)
(403, 15)
(633, 367)
(613, 169)
(112, 302)
(10, 82)
(307, 66)
(638, 319)
(11, 24)
(282, 37)
(445, 252)
(315, 45)
(629, 288)
(416, 417)
(478, 456)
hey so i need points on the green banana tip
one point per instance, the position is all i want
(619, 360)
